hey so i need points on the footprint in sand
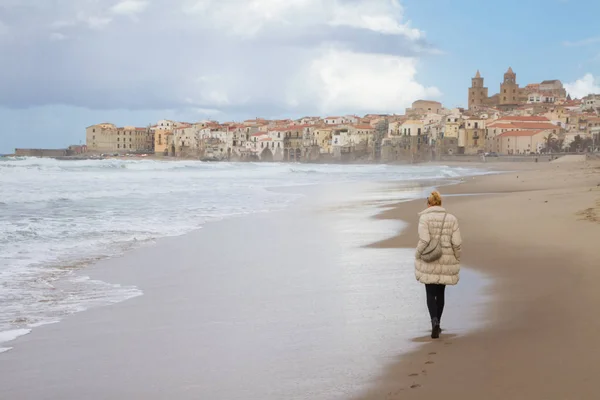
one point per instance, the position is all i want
(433, 353)
(415, 386)
(448, 343)
(429, 362)
(413, 375)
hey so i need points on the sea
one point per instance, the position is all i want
(58, 216)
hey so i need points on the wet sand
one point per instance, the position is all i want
(538, 235)
(284, 305)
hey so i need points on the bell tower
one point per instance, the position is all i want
(478, 94)
(509, 89)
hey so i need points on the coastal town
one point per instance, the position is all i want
(537, 118)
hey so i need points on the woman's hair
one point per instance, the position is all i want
(434, 199)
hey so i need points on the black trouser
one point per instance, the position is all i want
(435, 300)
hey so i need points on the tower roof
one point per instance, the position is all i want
(510, 71)
(477, 75)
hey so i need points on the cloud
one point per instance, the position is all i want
(343, 81)
(129, 7)
(95, 22)
(584, 86)
(382, 19)
(236, 57)
(583, 42)
(57, 36)
(248, 17)
(3, 28)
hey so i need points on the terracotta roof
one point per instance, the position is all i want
(523, 125)
(500, 125)
(535, 126)
(524, 118)
(521, 133)
(363, 127)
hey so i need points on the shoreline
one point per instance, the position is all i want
(508, 318)
(534, 232)
(317, 314)
(79, 266)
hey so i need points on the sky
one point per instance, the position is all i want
(69, 64)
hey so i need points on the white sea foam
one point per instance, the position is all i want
(9, 336)
(58, 216)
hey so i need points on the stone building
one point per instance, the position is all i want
(425, 107)
(163, 140)
(478, 93)
(511, 96)
(108, 138)
(509, 89)
(553, 87)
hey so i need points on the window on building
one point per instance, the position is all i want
(118, 139)
(504, 98)
(94, 137)
(118, 146)
(504, 90)
(94, 130)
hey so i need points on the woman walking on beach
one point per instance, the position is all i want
(437, 261)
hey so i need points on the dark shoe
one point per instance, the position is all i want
(435, 328)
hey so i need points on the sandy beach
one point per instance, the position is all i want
(277, 305)
(345, 320)
(536, 231)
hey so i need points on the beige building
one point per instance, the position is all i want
(163, 141)
(451, 126)
(322, 137)
(472, 136)
(522, 142)
(108, 138)
(412, 127)
(425, 107)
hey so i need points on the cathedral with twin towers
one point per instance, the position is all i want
(511, 96)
